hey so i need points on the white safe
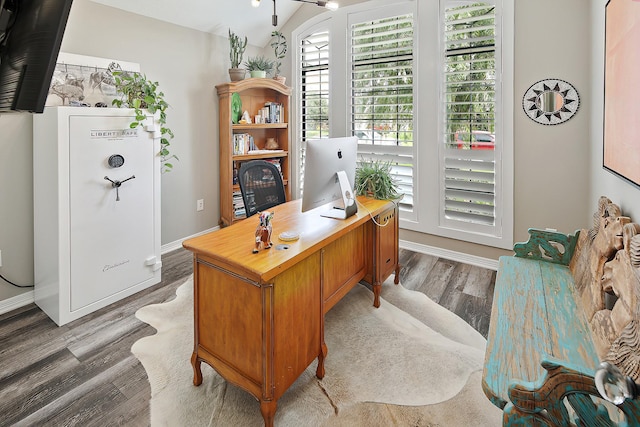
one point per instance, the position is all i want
(96, 208)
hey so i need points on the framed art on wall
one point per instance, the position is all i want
(85, 80)
(621, 142)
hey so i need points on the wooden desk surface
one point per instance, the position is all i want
(231, 247)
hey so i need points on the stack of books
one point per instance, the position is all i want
(276, 163)
(272, 112)
(238, 205)
(243, 143)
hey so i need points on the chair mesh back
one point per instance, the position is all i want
(261, 186)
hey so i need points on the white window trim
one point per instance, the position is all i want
(321, 23)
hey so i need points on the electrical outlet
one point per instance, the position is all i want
(200, 205)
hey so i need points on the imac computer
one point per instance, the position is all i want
(329, 174)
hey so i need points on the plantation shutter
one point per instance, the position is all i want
(470, 148)
(381, 102)
(313, 91)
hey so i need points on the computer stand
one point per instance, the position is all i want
(348, 200)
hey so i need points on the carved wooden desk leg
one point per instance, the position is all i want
(396, 278)
(197, 372)
(377, 288)
(321, 357)
(268, 410)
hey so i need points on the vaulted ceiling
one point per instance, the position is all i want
(215, 16)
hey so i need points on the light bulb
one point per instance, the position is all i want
(331, 5)
(255, 3)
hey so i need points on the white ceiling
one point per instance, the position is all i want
(215, 16)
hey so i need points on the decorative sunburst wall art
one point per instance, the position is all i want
(551, 101)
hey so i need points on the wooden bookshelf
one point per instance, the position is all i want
(254, 94)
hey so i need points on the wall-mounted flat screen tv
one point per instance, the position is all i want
(30, 37)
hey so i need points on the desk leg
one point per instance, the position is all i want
(268, 410)
(396, 278)
(321, 357)
(377, 288)
(197, 372)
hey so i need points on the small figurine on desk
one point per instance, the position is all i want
(263, 232)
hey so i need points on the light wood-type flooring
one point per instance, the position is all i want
(83, 373)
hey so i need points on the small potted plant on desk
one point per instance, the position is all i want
(236, 50)
(259, 66)
(279, 45)
(374, 179)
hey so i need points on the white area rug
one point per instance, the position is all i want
(408, 363)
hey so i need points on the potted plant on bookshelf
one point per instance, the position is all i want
(236, 50)
(374, 179)
(139, 93)
(279, 45)
(259, 66)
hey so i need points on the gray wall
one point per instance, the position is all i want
(558, 169)
(187, 64)
(604, 183)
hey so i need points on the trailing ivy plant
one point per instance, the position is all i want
(139, 93)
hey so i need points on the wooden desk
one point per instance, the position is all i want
(259, 318)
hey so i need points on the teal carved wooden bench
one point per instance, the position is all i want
(555, 317)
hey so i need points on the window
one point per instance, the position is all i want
(313, 91)
(469, 103)
(427, 86)
(314, 86)
(382, 94)
(476, 182)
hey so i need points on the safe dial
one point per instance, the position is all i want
(115, 161)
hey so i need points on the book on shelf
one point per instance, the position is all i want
(243, 143)
(272, 112)
(238, 205)
(276, 163)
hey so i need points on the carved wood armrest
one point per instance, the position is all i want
(543, 402)
(550, 246)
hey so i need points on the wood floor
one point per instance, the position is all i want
(84, 374)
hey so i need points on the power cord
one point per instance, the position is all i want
(371, 215)
(11, 283)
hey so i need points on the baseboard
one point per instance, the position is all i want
(488, 263)
(21, 300)
(491, 264)
(28, 297)
(172, 246)
(18, 301)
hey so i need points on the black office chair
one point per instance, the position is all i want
(261, 186)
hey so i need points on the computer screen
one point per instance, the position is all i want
(329, 174)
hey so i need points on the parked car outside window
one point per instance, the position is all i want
(480, 140)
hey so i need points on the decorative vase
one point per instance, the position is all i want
(237, 74)
(258, 73)
(271, 144)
